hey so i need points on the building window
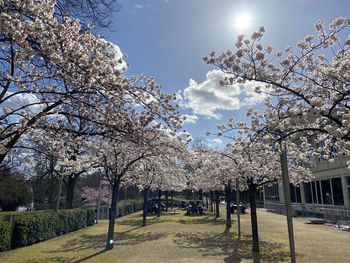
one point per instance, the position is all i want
(337, 190)
(326, 192)
(272, 193)
(295, 196)
(308, 193)
(318, 192)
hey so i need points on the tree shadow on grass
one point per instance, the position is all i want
(269, 252)
(90, 256)
(97, 242)
(136, 220)
(132, 239)
(235, 250)
(203, 220)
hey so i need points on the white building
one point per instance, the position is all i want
(327, 195)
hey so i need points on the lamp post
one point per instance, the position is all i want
(287, 202)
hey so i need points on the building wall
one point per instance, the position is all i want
(326, 208)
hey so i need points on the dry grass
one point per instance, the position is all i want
(177, 238)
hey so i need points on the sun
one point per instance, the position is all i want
(242, 22)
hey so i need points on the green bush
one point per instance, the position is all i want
(5, 233)
(129, 207)
(32, 228)
(90, 217)
(71, 220)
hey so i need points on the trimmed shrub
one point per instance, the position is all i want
(125, 209)
(90, 217)
(71, 220)
(33, 228)
(5, 233)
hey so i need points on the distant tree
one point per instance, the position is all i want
(14, 191)
(96, 12)
(90, 195)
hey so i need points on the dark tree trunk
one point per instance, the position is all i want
(112, 215)
(228, 196)
(253, 217)
(206, 200)
(159, 202)
(144, 214)
(211, 202)
(70, 191)
(200, 195)
(217, 204)
(172, 199)
(166, 200)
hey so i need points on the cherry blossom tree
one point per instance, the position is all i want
(203, 174)
(91, 195)
(53, 71)
(95, 12)
(163, 171)
(310, 86)
(311, 83)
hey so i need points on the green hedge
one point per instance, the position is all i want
(90, 217)
(5, 233)
(34, 227)
(128, 208)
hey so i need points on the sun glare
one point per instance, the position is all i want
(242, 22)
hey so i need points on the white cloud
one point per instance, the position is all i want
(207, 97)
(28, 101)
(212, 143)
(190, 118)
(185, 136)
(217, 141)
(138, 6)
(115, 49)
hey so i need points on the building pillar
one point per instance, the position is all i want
(302, 193)
(345, 191)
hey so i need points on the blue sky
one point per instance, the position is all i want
(167, 39)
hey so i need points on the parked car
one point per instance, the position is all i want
(242, 207)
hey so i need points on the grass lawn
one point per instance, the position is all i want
(178, 238)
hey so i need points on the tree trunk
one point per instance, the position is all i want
(206, 200)
(172, 199)
(159, 202)
(99, 199)
(254, 222)
(228, 205)
(70, 191)
(238, 209)
(112, 215)
(211, 202)
(166, 200)
(200, 195)
(217, 204)
(59, 195)
(144, 214)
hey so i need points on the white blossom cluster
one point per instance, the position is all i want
(54, 73)
(309, 86)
